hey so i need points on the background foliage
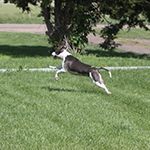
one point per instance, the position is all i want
(74, 19)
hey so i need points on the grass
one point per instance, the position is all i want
(11, 14)
(133, 33)
(126, 36)
(26, 50)
(38, 112)
(114, 21)
(32, 51)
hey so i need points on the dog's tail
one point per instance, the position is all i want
(106, 70)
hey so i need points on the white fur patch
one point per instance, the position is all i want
(63, 55)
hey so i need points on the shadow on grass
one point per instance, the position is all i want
(23, 51)
(123, 54)
(32, 51)
(66, 90)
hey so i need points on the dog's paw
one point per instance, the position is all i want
(109, 92)
(52, 67)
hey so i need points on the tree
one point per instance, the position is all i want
(127, 12)
(73, 19)
(73, 22)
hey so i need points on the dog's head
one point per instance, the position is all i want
(60, 53)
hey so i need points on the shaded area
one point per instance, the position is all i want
(24, 51)
(70, 90)
(103, 53)
(43, 51)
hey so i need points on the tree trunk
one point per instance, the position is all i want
(62, 23)
(46, 15)
(58, 33)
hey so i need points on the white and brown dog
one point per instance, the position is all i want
(76, 67)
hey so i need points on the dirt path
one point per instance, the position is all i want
(135, 45)
(141, 46)
(31, 28)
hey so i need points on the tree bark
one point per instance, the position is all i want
(46, 15)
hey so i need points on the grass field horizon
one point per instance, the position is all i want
(38, 112)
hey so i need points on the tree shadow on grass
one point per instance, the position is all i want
(24, 51)
(123, 54)
(43, 51)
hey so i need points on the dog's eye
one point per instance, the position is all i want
(58, 51)
(61, 50)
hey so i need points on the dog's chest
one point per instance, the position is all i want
(63, 63)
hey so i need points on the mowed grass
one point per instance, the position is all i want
(33, 51)
(9, 13)
(126, 36)
(133, 33)
(38, 112)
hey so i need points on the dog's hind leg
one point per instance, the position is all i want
(97, 79)
(102, 85)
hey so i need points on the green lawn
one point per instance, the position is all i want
(133, 33)
(126, 36)
(33, 51)
(38, 112)
(11, 14)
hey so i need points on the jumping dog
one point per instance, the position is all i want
(76, 67)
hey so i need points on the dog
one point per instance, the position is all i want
(76, 67)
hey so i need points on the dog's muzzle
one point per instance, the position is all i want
(54, 55)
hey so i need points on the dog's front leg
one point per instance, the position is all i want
(59, 71)
(55, 67)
